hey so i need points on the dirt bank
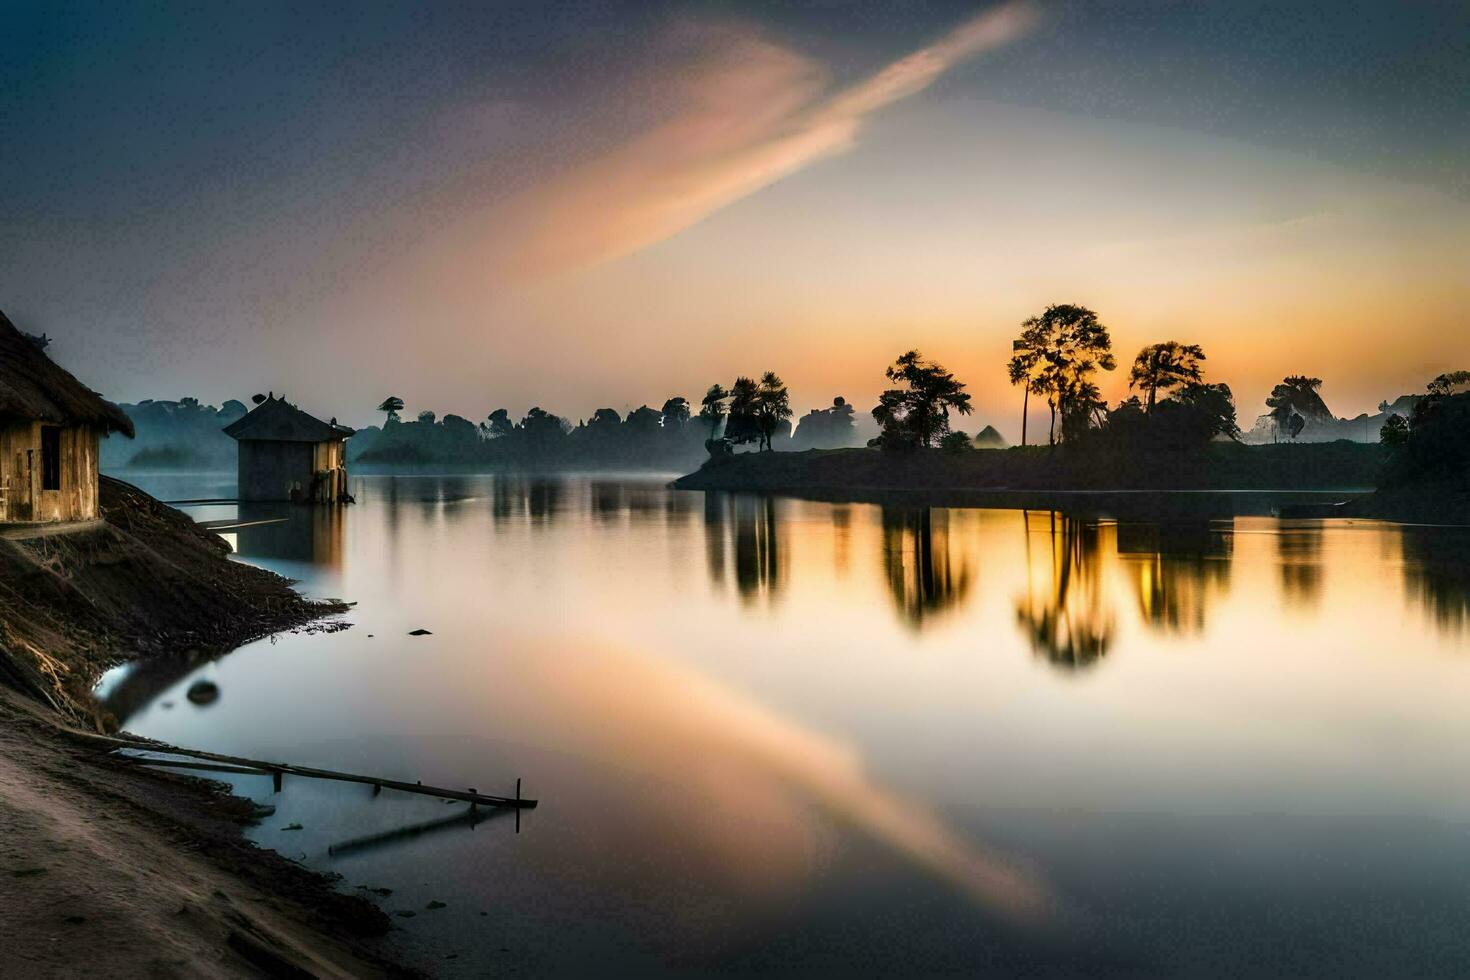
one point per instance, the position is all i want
(119, 871)
(144, 582)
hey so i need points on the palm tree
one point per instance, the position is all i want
(712, 407)
(1025, 365)
(773, 405)
(392, 405)
(1166, 365)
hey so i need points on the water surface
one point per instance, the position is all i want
(819, 739)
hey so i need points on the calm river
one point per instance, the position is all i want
(835, 739)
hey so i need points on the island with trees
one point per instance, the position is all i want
(1176, 431)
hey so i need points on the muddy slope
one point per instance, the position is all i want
(145, 581)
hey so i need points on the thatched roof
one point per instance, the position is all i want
(32, 386)
(277, 420)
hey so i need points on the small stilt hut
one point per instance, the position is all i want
(286, 454)
(50, 427)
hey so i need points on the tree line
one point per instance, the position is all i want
(1057, 357)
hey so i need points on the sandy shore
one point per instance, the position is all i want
(117, 871)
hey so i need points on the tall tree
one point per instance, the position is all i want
(917, 412)
(392, 405)
(773, 405)
(1027, 359)
(712, 407)
(1164, 366)
(1073, 346)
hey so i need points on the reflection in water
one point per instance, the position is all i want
(292, 533)
(543, 500)
(924, 576)
(1063, 614)
(1178, 570)
(1299, 548)
(749, 529)
(760, 782)
(841, 538)
(1437, 573)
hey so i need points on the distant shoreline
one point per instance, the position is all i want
(1222, 479)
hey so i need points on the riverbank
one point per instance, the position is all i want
(1032, 475)
(120, 870)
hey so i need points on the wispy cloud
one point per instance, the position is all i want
(750, 113)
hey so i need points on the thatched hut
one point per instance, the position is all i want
(50, 426)
(286, 454)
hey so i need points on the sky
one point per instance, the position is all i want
(598, 204)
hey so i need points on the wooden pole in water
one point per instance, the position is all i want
(280, 769)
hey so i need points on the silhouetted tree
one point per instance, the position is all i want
(541, 430)
(392, 405)
(497, 424)
(1027, 358)
(427, 417)
(1074, 345)
(1446, 384)
(675, 413)
(712, 407)
(604, 423)
(643, 423)
(955, 443)
(1164, 366)
(742, 424)
(1437, 447)
(917, 413)
(1395, 431)
(773, 405)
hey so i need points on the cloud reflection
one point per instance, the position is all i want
(744, 756)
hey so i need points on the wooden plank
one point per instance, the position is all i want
(231, 524)
(279, 769)
(202, 766)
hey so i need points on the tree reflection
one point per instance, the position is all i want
(1178, 569)
(543, 500)
(1437, 573)
(924, 575)
(745, 530)
(1063, 614)
(1299, 549)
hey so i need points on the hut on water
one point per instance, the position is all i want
(286, 454)
(50, 427)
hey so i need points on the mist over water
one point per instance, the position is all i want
(819, 738)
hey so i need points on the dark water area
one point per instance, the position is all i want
(826, 739)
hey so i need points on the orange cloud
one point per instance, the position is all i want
(751, 113)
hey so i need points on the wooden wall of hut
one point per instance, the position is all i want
(299, 471)
(48, 473)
